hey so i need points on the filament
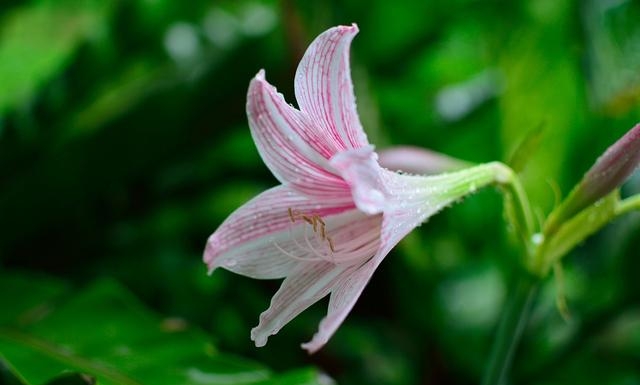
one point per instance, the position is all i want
(319, 246)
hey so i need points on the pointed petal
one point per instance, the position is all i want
(250, 240)
(360, 169)
(280, 133)
(324, 89)
(343, 297)
(306, 284)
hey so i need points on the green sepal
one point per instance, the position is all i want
(575, 230)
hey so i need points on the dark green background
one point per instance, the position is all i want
(124, 144)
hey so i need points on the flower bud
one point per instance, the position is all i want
(609, 171)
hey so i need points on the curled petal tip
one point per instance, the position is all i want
(258, 337)
(359, 168)
(353, 27)
(209, 255)
(346, 29)
(314, 345)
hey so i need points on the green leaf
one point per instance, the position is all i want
(34, 299)
(104, 332)
(529, 145)
(542, 78)
(73, 379)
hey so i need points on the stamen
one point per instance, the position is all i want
(319, 229)
(333, 250)
(307, 219)
(288, 254)
(313, 249)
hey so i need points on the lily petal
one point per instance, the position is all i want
(306, 284)
(416, 160)
(360, 169)
(280, 132)
(343, 298)
(324, 90)
(251, 239)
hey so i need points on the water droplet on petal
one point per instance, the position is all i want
(230, 262)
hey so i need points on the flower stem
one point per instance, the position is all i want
(518, 307)
(512, 324)
(517, 205)
(629, 204)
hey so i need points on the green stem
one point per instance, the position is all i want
(512, 324)
(519, 213)
(517, 204)
(518, 307)
(539, 257)
(626, 205)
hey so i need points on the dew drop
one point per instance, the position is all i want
(537, 238)
(230, 262)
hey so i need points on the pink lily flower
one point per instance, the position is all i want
(337, 213)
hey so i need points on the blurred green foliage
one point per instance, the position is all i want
(124, 143)
(106, 336)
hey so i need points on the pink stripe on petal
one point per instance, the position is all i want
(343, 298)
(246, 241)
(324, 90)
(279, 131)
(306, 284)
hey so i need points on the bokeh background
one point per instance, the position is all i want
(124, 144)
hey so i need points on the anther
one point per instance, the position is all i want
(316, 222)
(308, 220)
(333, 250)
